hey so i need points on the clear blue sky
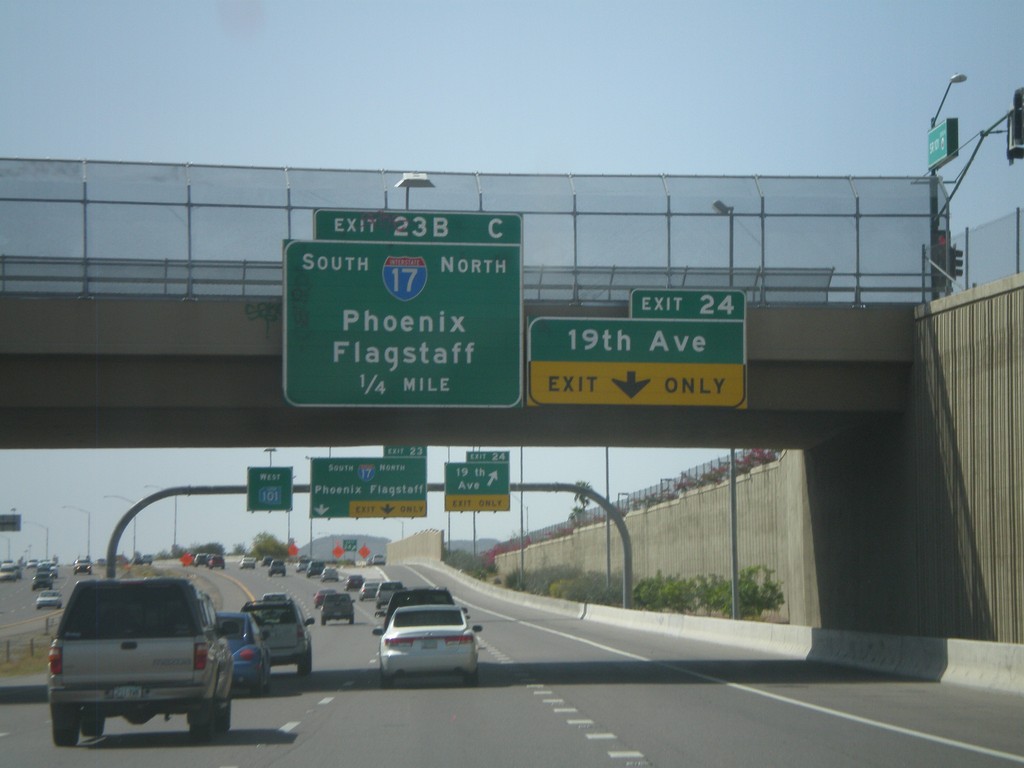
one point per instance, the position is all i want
(814, 88)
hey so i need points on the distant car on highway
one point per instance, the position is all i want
(215, 561)
(83, 565)
(354, 581)
(318, 598)
(369, 590)
(337, 606)
(49, 598)
(247, 562)
(329, 574)
(377, 560)
(315, 568)
(10, 572)
(277, 568)
(42, 580)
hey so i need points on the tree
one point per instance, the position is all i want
(578, 516)
(265, 544)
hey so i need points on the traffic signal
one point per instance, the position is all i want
(1015, 128)
(956, 261)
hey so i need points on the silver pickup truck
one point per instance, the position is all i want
(136, 649)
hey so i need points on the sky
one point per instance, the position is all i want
(795, 88)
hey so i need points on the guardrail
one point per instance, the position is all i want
(196, 280)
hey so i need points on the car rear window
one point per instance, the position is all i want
(129, 610)
(451, 618)
(274, 615)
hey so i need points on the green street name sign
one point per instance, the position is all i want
(375, 487)
(637, 362)
(411, 311)
(477, 486)
(943, 143)
(269, 489)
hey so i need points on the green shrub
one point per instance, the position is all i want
(712, 594)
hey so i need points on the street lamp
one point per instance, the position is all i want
(727, 210)
(88, 529)
(957, 78)
(30, 522)
(410, 180)
(270, 455)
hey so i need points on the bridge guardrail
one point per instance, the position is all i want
(194, 280)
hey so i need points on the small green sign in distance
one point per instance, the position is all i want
(405, 451)
(269, 489)
(477, 486)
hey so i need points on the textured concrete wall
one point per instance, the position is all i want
(425, 545)
(690, 537)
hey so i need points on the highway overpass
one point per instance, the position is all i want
(131, 372)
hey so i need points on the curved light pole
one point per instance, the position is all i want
(174, 537)
(88, 528)
(134, 525)
(959, 77)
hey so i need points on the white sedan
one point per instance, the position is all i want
(428, 639)
(49, 598)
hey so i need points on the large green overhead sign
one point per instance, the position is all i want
(372, 487)
(418, 309)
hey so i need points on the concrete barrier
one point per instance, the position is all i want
(992, 666)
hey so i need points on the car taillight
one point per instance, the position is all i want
(200, 656)
(458, 640)
(299, 632)
(247, 654)
(396, 642)
(56, 660)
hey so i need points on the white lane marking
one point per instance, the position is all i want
(603, 736)
(565, 710)
(930, 737)
(580, 721)
(554, 701)
(626, 755)
(326, 700)
(288, 727)
(543, 692)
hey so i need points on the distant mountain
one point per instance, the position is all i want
(466, 545)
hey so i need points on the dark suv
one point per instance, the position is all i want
(286, 629)
(416, 596)
(337, 605)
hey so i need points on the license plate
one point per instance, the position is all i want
(428, 645)
(126, 692)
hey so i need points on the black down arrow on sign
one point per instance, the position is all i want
(631, 387)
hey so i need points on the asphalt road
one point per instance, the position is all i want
(554, 691)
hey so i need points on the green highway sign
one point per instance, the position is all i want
(943, 143)
(477, 486)
(686, 304)
(375, 487)
(269, 489)
(422, 311)
(637, 362)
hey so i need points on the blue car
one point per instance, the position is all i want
(249, 651)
